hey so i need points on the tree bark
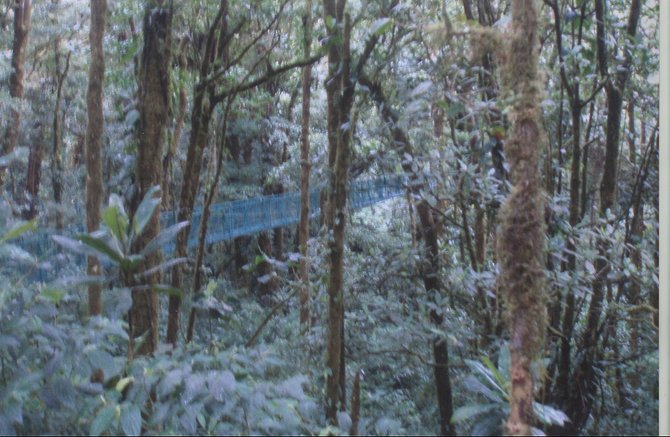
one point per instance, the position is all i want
(33, 176)
(166, 186)
(154, 104)
(58, 121)
(94, 131)
(22, 12)
(201, 116)
(338, 110)
(303, 227)
(521, 232)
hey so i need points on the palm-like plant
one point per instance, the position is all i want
(114, 243)
(492, 383)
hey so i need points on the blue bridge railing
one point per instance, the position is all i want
(236, 218)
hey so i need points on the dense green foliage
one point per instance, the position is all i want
(251, 367)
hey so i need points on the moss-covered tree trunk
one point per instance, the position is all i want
(94, 131)
(521, 233)
(154, 103)
(22, 10)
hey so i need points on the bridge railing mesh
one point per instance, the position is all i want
(232, 219)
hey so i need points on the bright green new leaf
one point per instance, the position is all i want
(502, 381)
(381, 26)
(19, 229)
(145, 210)
(123, 383)
(101, 246)
(116, 201)
(55, 295)
(116, 222)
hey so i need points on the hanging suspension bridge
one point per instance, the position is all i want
(237, 218)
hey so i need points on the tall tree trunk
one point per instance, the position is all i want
(340, 87)
(166, 186)
(33, 176)
(431, 265)
(22, 10)
(58, 119)
(205, 100)
(521, 233)
(94, 130)
(201, 117)
(204, 217)
(585, 385)
(303, 227)
(576, 105)
(154, 103)
(340, 94)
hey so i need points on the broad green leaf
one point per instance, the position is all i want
(55, 295)
(475, 385)
(123, 383)
(470, 411)
(482, 372)
(75, 246)
(163, 266)
(259, 259)
(101, 246)
(211, 287)
(116, 222)
(380, 26)
(19, 229)
(16, 253)
(115, 201)
(163, 237)
(145, 210)
(220, 384)
(549, 415)
(131, 419)
(103, 420)
(502, 380)
(504, 360)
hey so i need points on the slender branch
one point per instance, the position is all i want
(265, 321)
(266, 77)
(218, 74)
